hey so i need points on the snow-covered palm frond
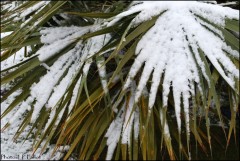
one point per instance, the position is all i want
(53, 88)
(106, 84)
(175, 51)
(171, 48)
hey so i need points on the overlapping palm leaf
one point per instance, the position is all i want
(109, 84)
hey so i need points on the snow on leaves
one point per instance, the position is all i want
(126, 120)
(170, 49)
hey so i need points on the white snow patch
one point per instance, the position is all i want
(122, 126)
(114, 132)
(54, 44)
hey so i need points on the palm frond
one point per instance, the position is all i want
(106, 86)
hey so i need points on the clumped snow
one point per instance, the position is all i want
(50, 35)
(55, 42)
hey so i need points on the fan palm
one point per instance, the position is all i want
(123, 82)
